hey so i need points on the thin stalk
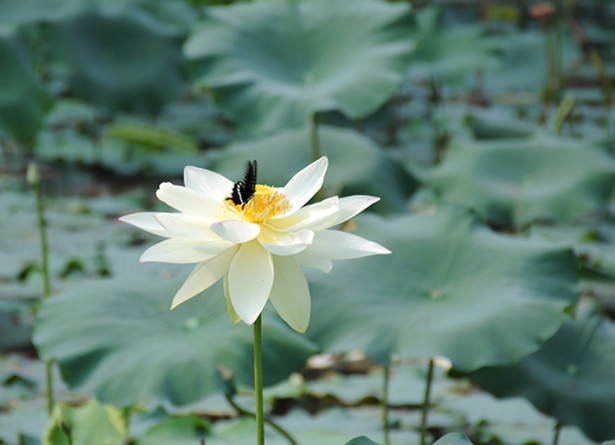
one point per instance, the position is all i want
(315, 143)
(268, 420)
(425, 409)
(34, 180)
(556, 431)
(559, 55)
(385, 404)
(258, 380)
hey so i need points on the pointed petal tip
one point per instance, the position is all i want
(381, 250)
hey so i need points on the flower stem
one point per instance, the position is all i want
(556, 429)
(258, 380)
(385, 404)
(268, 420)
(315, 143)
(425, 409)
(34, 180)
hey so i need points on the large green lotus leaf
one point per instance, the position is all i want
(517, 181)
(274, 64)
(23, 102)
(117, 58)
(571, 378)
(119, 341)
(454, 54)
(451, 287)
(356, 165)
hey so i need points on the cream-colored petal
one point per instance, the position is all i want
(207, 182)
(305, 184)
(189, 201)
(290, 293)
(315, 217)
(186, 226)
(350, 206)
(285, 243)
(250, 278)
(183, 251)
(229, 305)
(204, 275)
(146, 221)
(307, 259)
(236, 230)
(338, 245)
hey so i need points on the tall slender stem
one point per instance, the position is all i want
(425, 409)
(556, 429)
(33, 178)
(315, 143)
(385, 404)
(258, 380)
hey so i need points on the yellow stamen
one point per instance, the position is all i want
(266, 203)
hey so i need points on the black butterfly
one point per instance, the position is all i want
(244, 190)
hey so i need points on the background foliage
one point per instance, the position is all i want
(485, 127)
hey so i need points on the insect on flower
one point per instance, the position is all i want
(244, 190)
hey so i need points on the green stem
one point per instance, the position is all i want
(315, 143)
(385, 404)
(268, 420)
(42, 224)
(425, 409)
(556, 431)
(258, 380)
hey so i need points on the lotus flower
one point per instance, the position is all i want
(255, 237)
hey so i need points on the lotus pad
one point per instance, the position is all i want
(451, 287)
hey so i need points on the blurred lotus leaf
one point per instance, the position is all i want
(274, 64)
(571, 378)
(23, 102)
(514, 182)
(451, 288)
(118, 340)
(117, 58)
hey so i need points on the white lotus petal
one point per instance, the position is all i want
(184, 251)
(350, 206)
(290, 293)
(250, 278)
(207, 182)
(236, 230)
(318, 216)
(146, 221)
(284, 244)
(204, 275)
(229, 305)
(307, 259)
(338, 245)
(186, 226)
(189, 201)
(305, 184)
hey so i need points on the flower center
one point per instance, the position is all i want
(266, 203)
